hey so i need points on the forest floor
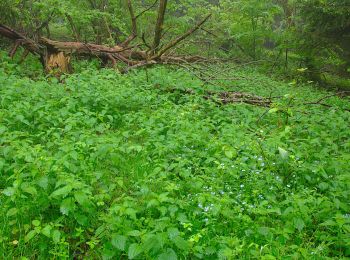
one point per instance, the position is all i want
(142, 166)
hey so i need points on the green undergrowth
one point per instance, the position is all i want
(341, 83)
(135, 166)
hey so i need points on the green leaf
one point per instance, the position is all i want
(230, 154)
(3, 129)
(82, 199)
(81, 219)
(169, 254)
(264, 231)
(119, 241)
(287, 211)
(134, 250)
(283, 153)
(273, 110)
(329, 223)
(30, 189)
(181, 243)
(173, 232)
(134, 233)
(67, 206)
(152, 243)
(299, 224)
(36, 223)
(131, 212)
(62, 192)
(323, 186)
(30, 236)
(43, 182)
(56, 236)
(9, 191)
(11, 212)
(46, 231)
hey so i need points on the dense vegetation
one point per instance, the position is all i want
(106, 165)
(233, 143)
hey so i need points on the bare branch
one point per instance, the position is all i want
(24, 55)
(209, 32)
(14, 48)
(147, 9)
(180, 38)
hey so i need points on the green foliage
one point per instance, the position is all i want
(322, 29)
(250, 23)
(104, 165)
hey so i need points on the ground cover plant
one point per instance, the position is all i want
(99, 165)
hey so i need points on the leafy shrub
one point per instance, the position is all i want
(107, 166)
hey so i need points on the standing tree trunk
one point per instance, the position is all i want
(159, 25)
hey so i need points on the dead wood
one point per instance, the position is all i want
(180, 38)
(56, 55)
(20, 39)
(229, 97)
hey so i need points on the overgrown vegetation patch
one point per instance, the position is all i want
(109, 166)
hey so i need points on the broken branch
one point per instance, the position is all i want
(180, 38)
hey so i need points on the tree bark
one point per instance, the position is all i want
(159, 26)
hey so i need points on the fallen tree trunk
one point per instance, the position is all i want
(127, 54)
(19, 39)
(56, 55)
(51, 60)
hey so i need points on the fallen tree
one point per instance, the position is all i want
(55, 56)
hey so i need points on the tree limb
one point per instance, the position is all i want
(180, 38)
(147, 9)
(11, 34)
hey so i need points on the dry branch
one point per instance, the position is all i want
(180, 38)
(228, 97)
(22, 40)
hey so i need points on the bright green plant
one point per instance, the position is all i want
(103, 165)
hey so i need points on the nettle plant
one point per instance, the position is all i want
(284, 108)
(103, 165)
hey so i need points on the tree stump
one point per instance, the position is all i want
(57, 63)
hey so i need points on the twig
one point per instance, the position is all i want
(180, 38)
